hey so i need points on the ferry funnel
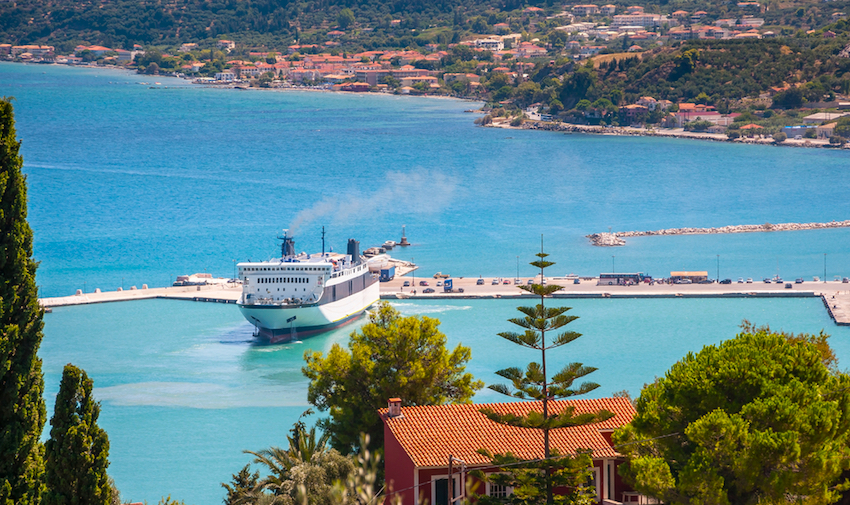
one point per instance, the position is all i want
(354, 250)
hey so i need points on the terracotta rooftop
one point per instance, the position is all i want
(429, 434)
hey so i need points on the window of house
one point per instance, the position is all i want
(498, 491)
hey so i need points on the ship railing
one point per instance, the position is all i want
(284, 302)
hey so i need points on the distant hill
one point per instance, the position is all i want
(376, 23)
(122, 23)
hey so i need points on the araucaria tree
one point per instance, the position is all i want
(78, 450)
(391, 356)
(22, 411)
(541, 331)
(759, 419)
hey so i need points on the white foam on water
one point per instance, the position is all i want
(199, 395)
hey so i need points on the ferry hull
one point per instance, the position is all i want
(277, 323)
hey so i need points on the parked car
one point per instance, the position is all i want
(495, 282)
(706, 281)
(428, 290)
(423, 283)
(517, 281)
(788, 285)
(749, 280)
(845, 280)
(799, 280)
(506, 281)
(740, 280)
(406, 284)
(726, 281)
(530, 282)
(766, 280)
(683, 281)
(439, 283)
(576, 281)
(479, 282)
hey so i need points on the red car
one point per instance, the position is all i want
(423, 283)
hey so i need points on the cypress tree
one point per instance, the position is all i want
(22, 411)
(78, 449)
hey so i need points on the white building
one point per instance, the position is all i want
(226, 75)
(642, 20)
(225, 44)
(585, 10)
(491, 44)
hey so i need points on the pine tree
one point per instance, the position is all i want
(78, 449)
(534, 384)
(22, 411)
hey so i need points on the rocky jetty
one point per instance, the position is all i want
(616, 239)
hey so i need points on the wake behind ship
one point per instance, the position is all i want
(299, 295)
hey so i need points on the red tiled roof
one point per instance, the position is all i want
(751, 126)
(429, 434)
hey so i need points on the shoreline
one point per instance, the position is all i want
(528, 124)
(679, 133)
(615, 239)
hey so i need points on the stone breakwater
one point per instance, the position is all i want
(616, 239)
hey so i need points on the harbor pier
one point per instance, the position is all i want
(834, 294)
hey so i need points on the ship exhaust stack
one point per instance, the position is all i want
(287, 248)
(354, 250)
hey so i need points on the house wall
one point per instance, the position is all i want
(427, 475)
(398, 469)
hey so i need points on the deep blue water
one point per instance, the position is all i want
(132, 185)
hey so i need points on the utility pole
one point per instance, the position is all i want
(613, 270)
(450, 482)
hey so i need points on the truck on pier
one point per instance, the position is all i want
(387, 274)
(447, 287)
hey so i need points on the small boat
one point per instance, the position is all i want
(389, 244)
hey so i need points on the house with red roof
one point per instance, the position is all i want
(420, 440)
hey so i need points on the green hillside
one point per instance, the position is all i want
(276, 23)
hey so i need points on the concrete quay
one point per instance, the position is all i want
(835, 295)
(226, 293)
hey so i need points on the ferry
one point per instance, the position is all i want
(300, 294)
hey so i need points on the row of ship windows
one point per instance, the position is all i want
(286, 269)
(272, 280)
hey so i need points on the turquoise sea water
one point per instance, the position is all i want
(132, 185)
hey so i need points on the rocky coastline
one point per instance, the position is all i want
(660, 132)
(617, 238)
